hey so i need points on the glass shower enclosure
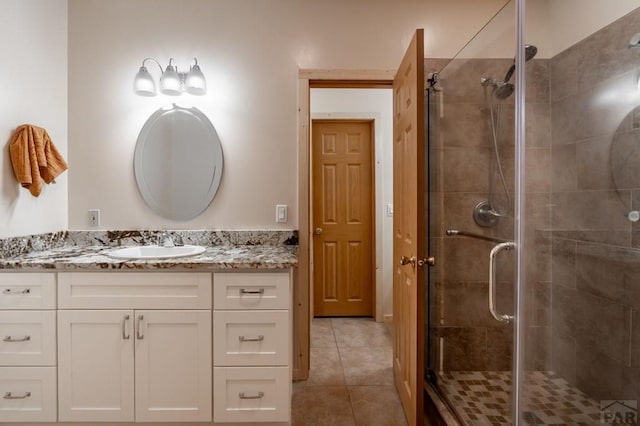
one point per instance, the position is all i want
(543, 216)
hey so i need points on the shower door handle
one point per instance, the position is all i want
(492, 281)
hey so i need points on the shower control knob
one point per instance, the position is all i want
(633, 216)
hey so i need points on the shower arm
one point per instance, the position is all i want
(452, 232)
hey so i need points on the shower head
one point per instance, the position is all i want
(530, 52)
(504, 90)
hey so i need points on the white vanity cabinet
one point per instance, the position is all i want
(134, 347)
(252, 346)
(27, 347)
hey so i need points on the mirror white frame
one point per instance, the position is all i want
(178, 162)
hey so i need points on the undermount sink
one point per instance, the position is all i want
(155, 252)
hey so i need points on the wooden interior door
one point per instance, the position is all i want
(409, 229)
(342, 179)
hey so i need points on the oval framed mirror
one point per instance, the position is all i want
(178, 162)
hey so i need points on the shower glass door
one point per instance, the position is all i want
(471, 106)
(580, 327)
(576, 335)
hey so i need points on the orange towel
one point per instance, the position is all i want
(34, 156)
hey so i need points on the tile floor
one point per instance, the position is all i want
(351, 377)
(483, 398)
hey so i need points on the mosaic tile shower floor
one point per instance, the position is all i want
(484, 397)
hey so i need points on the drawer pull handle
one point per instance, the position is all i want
(260, 338)
(245, 291)
(139, 334)
(258, 396)
(125, 336)
(13, 339)
(14, 291)
(9, 395)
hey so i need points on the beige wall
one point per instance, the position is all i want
(574, 20)
(551, 25)
(34, 91)
(250, 52)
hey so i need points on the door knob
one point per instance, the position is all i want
(318, 231)
(429, 261)
(404, 260)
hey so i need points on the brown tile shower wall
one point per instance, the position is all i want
(595, 182)
(461, 155)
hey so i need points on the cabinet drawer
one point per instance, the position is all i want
(251, 290)
(131, 290)
(251, 338)
(28, 338)
(27, 290)
(28, 394)
(251, 394)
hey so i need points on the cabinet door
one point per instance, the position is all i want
(95, 366)
(173, 366)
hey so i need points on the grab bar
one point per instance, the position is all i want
(492, 281)
(452, 232)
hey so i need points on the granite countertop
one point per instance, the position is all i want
(215, 257)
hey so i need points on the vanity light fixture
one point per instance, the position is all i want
(172, 82)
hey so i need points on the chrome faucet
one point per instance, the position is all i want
(165, 240)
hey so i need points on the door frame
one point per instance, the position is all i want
(373, 121)
(308, 78)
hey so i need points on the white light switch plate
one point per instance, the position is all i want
(94, 218)
(281, 213)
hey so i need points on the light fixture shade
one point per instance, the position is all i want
(170, 82)
(195, 82)
(143, 84)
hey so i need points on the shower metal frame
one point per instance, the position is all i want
(519, 213)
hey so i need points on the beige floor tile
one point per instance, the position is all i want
(322, 333)
(321, 406)
(356, 352)
(376, 406)
(326, 369)
(367, 366)
(360, 332)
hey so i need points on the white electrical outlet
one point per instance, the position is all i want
(94, 218)
(281, 213)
